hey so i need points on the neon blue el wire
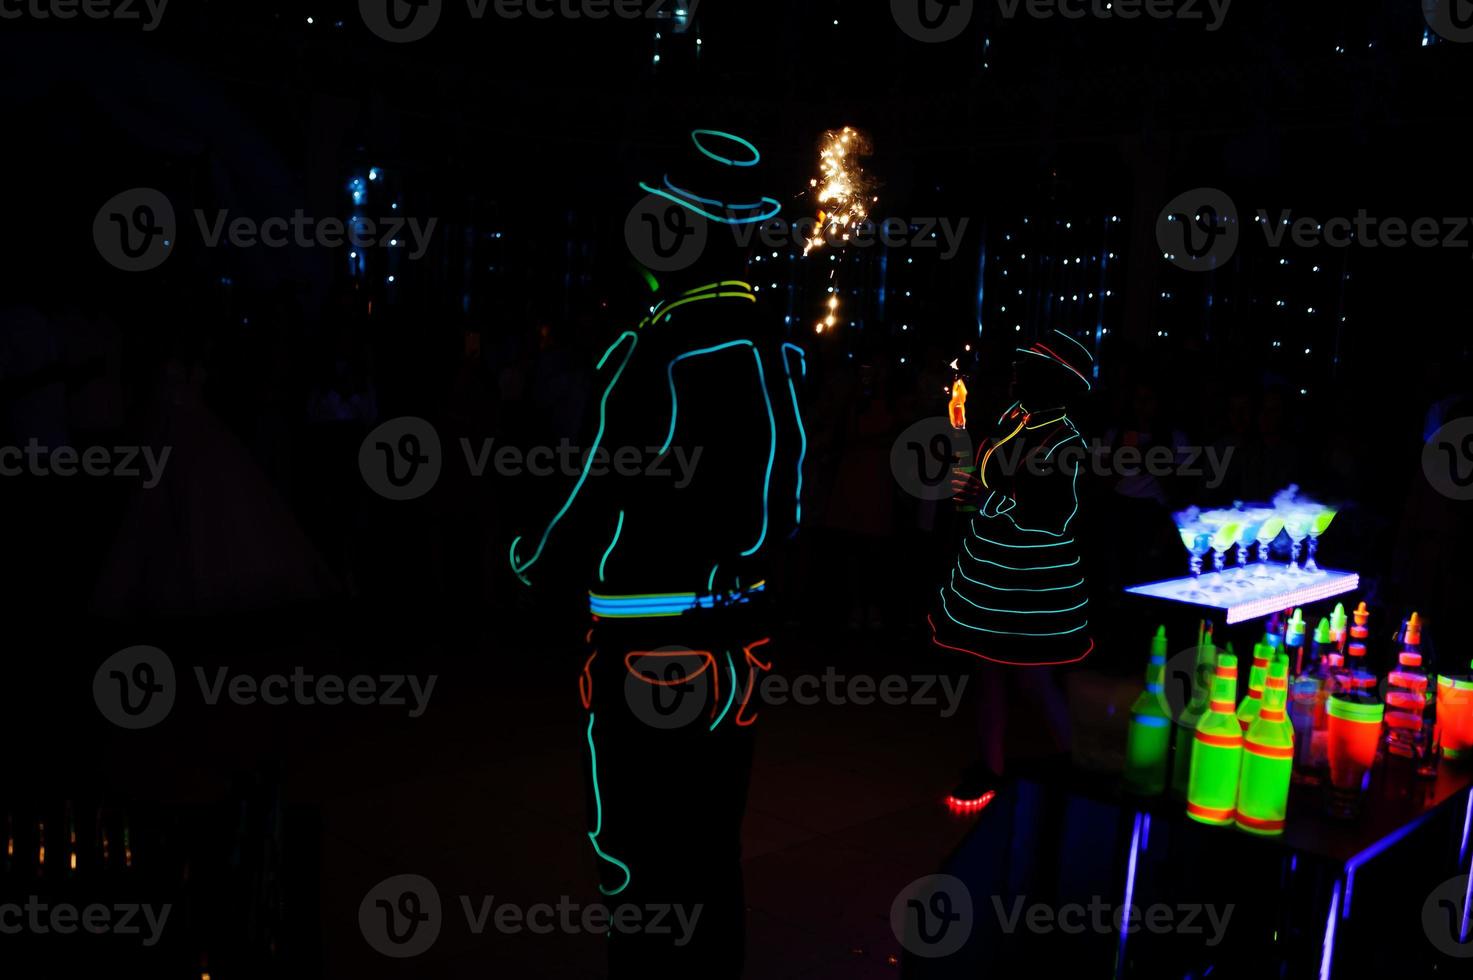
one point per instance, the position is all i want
(603, 419)
(730, 697)
(771, 421)
(1001, 588)
(798, 417)
(1076, 344)
(598, 827)
(1074, 484)
(983, 629)
(1018, 612)
(776, 207)
(1060, 363)
(696, 135)
(967, 549)
(610, 550)
(1047, 544)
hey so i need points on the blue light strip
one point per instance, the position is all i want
(797, 417)
(598, 826)
(610, 550)
(1327, 955)
(673, 604)
(731, 693)
(1001, 588)
(983, 629)
(696, 135)
(603, 420)
(1016, 612)
(771, 421)
(771, 207)
(1135, 848)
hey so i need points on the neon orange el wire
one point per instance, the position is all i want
(1010, 663)
(710, 661)
(752, 664)
(585, 683)
(982, 470)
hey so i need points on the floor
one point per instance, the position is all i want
(482, 795)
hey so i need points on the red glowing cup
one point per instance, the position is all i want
(1354, 736)
(1454, 730)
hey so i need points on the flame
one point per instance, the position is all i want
(958, 406)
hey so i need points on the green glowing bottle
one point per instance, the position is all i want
(1268, 760)
(1149, 739)
(1186, 721)
(1253, 700)
(1217, 751)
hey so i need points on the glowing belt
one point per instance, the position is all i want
(665, 604)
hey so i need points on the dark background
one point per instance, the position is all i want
(526, 141)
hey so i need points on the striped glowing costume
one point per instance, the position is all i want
(1217, 751)
(1268, 759)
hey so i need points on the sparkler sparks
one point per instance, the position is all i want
(843, 191)
(844, 194)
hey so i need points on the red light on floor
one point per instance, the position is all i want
(970, 806)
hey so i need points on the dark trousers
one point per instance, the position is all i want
(670, 743)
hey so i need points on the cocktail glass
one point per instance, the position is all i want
(1317, 526)
(1268, 531)
(1296, 523)
(1224, 535)
(1249, 522)
(1197, 538)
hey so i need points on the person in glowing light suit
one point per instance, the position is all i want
(677, 573)
(1016, 595)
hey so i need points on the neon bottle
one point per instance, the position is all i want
(1217, 751)
(1294, 641)
(1322, 643)
(1274, 633)
(1407, 729)
(1186, 721)
(1149, 738)
(1252, 701)
(1338, 621)
(1357, 677)
(1268, 760)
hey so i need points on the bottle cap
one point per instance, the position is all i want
(1362, 614)
(1322, 633)
(1158, 642)
(1294, 634)
(1413, 635)
(1338, 619)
